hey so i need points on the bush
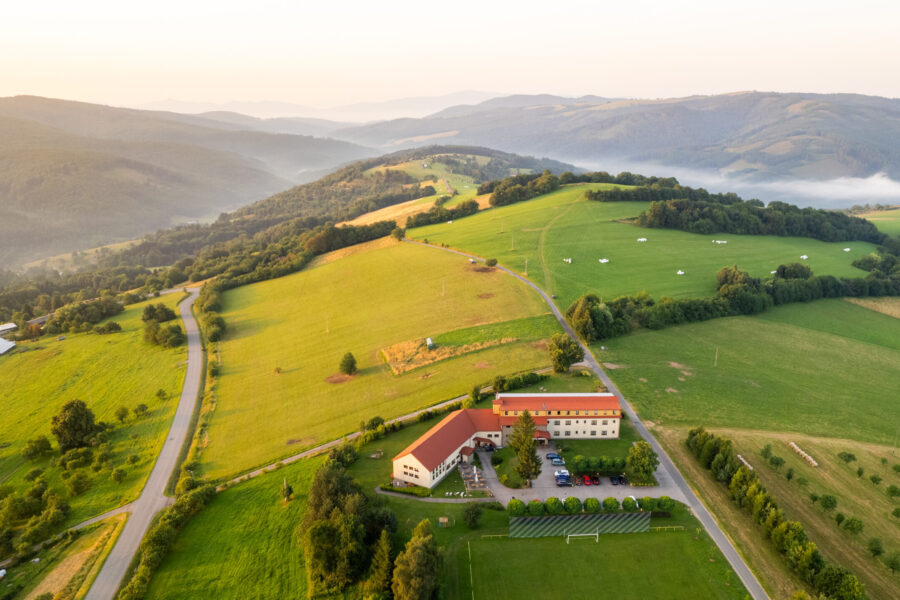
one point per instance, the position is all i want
(36, 448)
(348, 364)
(491, 262)
(896, 512)
(853, 525)
(573, 506)
(33, 474)
(839, 518)
(591, 505)
(610, 504)
(847, 457)
(515, 508)
(828, 502)
(118, 475)
(553, 506)
(471, 515)
(535, 508)
(875, 479)
(629, 504)
(665, 504)
(78, 483)
(496, 459)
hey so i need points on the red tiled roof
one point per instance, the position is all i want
(538, 434)
(535, 402)
(510, 421)
(438, 442)
(482, 440)
(467, 451)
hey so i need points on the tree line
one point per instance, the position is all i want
(789, 538)
(737, 294)
(439, 214)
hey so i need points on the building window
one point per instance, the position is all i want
(568, 422)
(556, 422)
(555, 434)
(568, 433)
(593, 432)
(605, 422)
(604, 432)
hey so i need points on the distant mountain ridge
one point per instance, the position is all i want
(757, 135)
(75, 175)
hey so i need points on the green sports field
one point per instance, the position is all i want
(280, 390)
(564, 225)
(826, 368)
(105, 371)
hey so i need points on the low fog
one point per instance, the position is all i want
(842, 192)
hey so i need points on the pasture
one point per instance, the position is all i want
(887, 221)
(279, 389)
(827, 368)
(106, 372)
(564, 225)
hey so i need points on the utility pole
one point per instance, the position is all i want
(526, 267)
(716, 363)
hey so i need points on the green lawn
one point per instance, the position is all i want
(304, 323)
(612, 448)
(827, 368)
(887, 221)
(565, 225)
(105, 371)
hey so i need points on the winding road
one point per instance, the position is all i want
(153, 497)
(667, 474)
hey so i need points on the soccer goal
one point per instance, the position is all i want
(595, 535)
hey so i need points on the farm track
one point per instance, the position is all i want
(667, 472)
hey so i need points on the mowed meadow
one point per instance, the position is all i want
(106, 372)
(563, 225)
(279, 389)
(825, 368)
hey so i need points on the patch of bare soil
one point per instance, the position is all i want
(295, 441)
(338, 378)
(643, 380)
(413, 354)
(485, 296)
(539, 344)
(613, 366)
(671, 390)
(686, 373)
(675, 365)
(483, 365)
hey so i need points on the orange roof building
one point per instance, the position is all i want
(430, 458)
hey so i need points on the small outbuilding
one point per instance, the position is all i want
(6, 346)
(8, 328)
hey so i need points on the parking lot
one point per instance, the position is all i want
(545, 485)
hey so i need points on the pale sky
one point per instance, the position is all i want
(331, 53)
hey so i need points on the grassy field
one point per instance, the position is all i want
(856, 496)
(826, 368)
(887, 221)
(105, 371)
(366, 301)
(563, 224)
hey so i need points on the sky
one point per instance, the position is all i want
(332, 53)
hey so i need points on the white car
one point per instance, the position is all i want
(561, 473)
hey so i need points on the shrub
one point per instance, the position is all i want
(471, 515)
(789, 474)
(491, 262)
(348, 364)
(647, 503)
(610, 504)
(36, 448)
(132, 459)
(629, 504)
(839, 518)
(496, 459)
(875, 479)
(875, 547)
(828, 502)
(77, 484)
(33, 474)
(766, 451)
(893, 491)
(853, 525)
(665, 504)
(896, 512)
(860, 471)
(535, 508)
(553, 506)
(118, 475)
(573, 506)
(847, 457)
(515, 508)
(591, 505)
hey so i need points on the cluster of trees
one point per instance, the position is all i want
(752, 218)
(82, 316)
(439, 214)
(40, 508)
(564, 352)
(155, 330)
(661, 506)
(519, 188)
(737, 294)
(788, 537)
(328, 238)
(347, 540)
(521, 440)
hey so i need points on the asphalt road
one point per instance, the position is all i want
(153, 498)
(667, 475)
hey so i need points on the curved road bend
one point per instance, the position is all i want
(153, 498)
(667, 472)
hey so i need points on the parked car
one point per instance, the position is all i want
(578, 481)
(563, 482)
(622, 480)
(614, 480)
(557, 462)
(595, 480)
(552, 455)
(587, 480)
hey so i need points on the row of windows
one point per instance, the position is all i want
(558, 413)
(586, 422)
(411, 468)
(593, 432)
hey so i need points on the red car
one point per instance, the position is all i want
(586, 479)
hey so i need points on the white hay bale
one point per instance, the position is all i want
(846, 249)
(679, 272)
(803, 256)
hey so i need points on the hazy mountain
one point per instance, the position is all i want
(75, 175)
(762, 136)
(418, 106)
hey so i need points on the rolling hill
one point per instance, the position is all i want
(75, 175)
(763, 136)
